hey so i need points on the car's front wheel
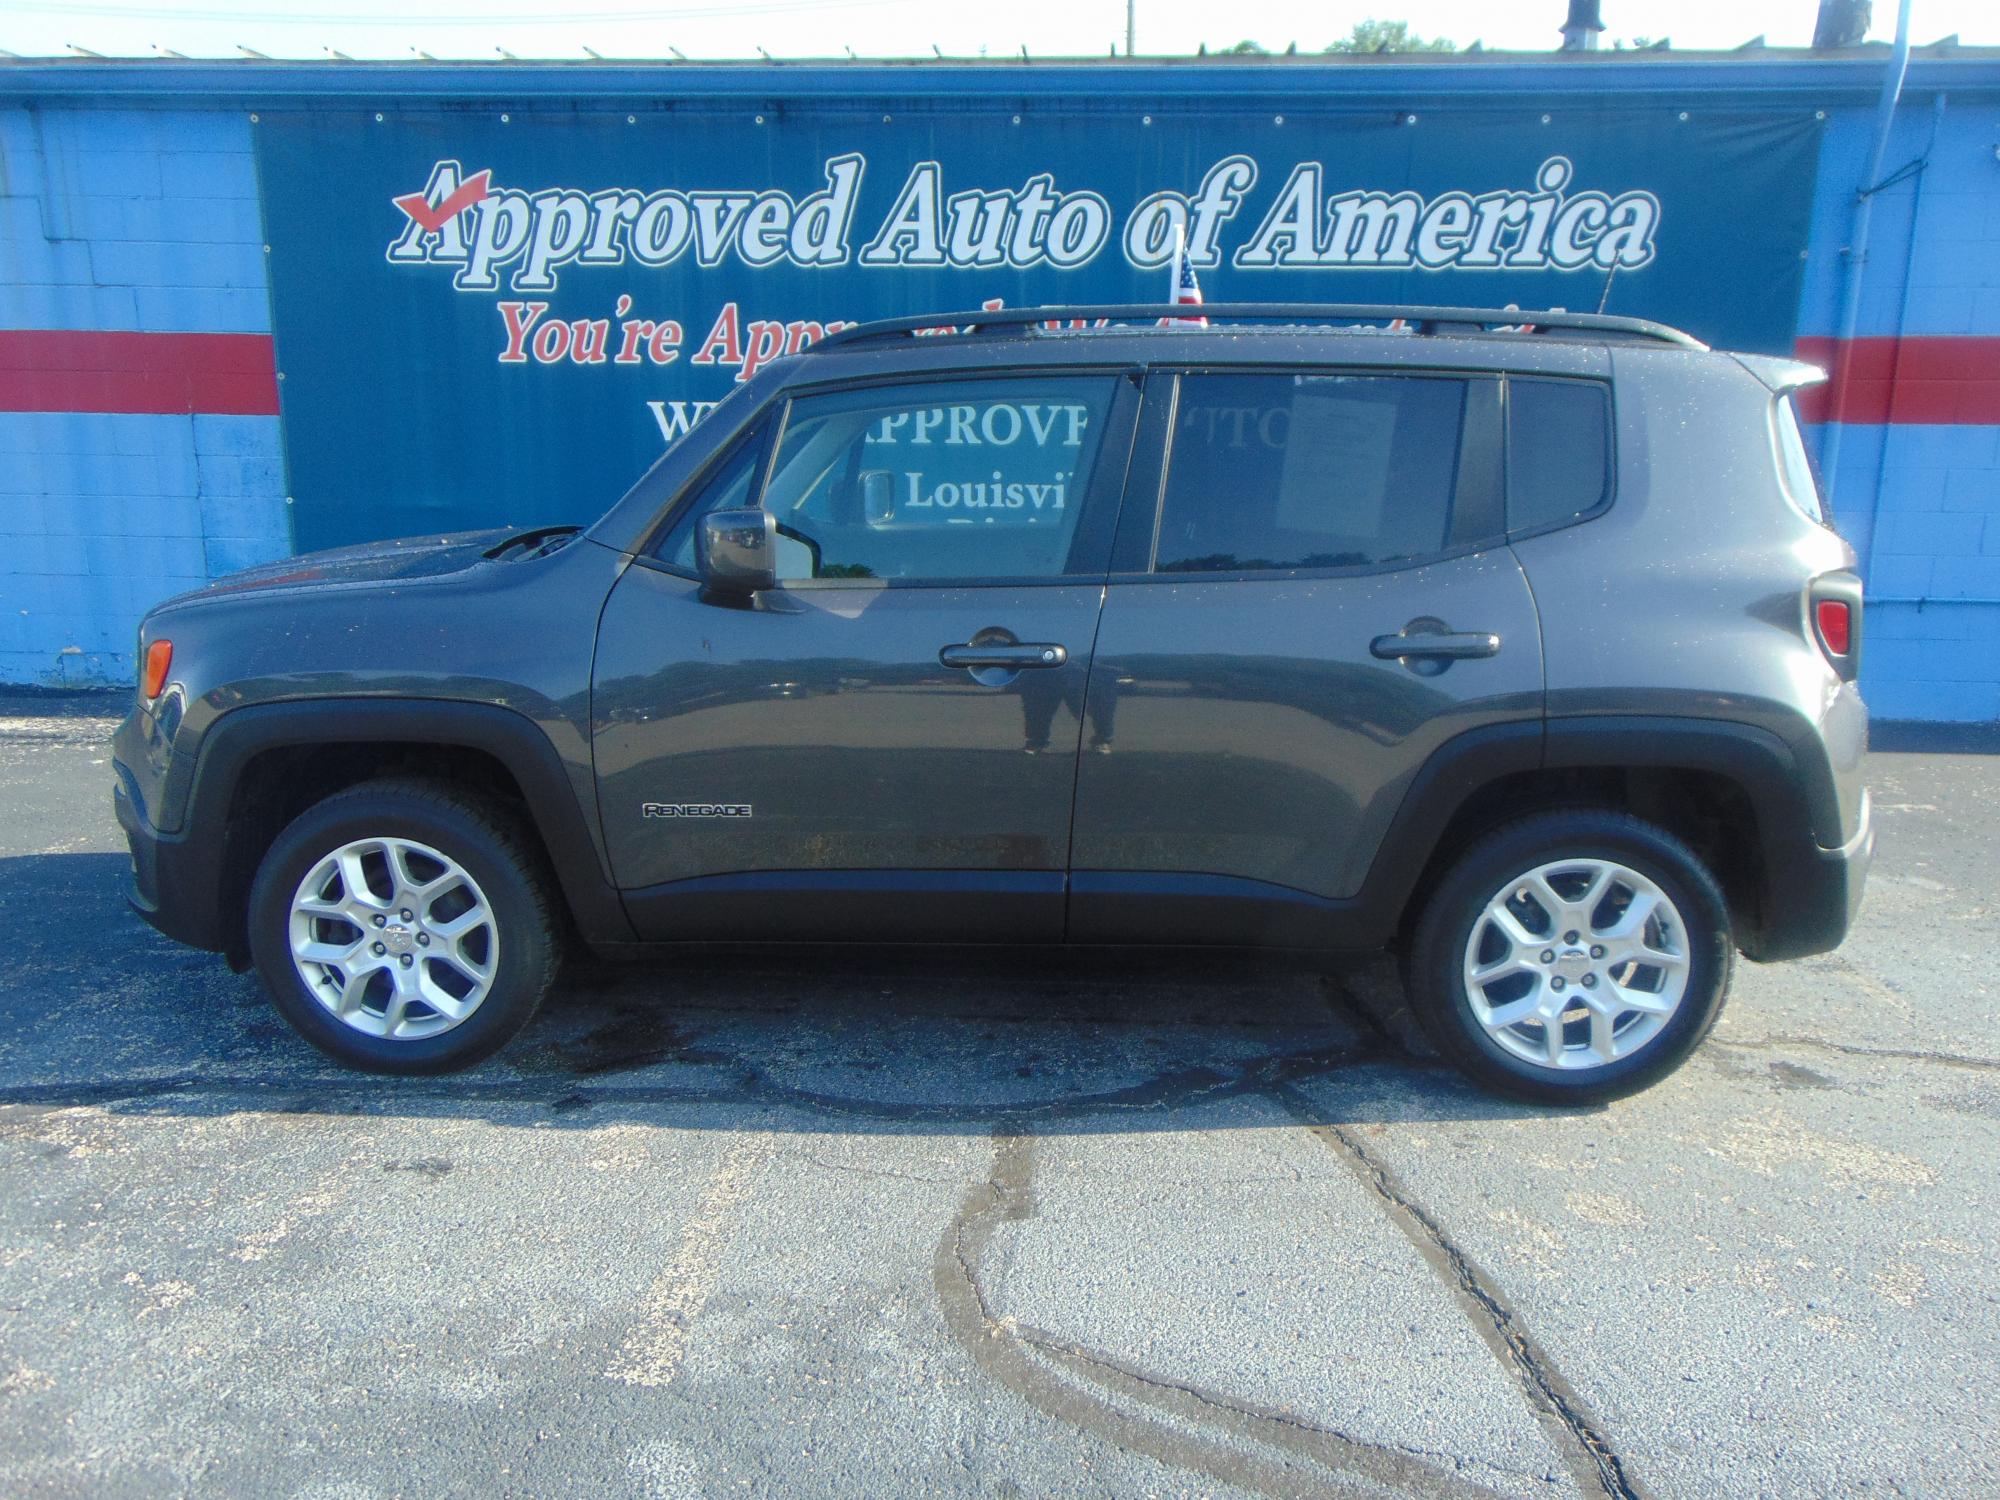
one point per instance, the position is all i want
(1571, 957)
(403, 928)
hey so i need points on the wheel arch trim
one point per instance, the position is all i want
(520, 745)
(1790, 800)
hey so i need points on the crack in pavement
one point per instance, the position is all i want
(1850, 1049)
(1578, 1434)
(857, 1169)
(1101, 1365)
(1312, 1460)
(749, 1085)
(1084, 1387)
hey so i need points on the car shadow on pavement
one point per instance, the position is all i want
(97, 1009)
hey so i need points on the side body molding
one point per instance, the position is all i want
(1802, 907)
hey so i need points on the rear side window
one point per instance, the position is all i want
(1795, 467)
(1308, 471)
(1558, 451)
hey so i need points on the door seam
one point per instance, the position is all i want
(1076, 765)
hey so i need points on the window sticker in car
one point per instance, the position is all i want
(1272, 471)
(957, 478)
(995, 461)
(1336, 439)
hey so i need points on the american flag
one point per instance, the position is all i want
(1187, 291)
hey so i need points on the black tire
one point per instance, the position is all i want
(486, 846)
(1434, 962)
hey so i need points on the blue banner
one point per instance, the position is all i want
(486, 318)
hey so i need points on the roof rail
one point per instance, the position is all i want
(1421, 320)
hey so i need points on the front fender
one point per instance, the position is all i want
(191, 862)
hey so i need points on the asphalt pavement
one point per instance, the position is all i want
(869, 1224)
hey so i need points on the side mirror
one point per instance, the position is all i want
(878, 496)
(739, 550)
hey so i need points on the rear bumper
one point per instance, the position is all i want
(1814, 894)
(173, 882)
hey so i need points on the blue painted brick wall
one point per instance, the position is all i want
(147, 221)
(120, 218)
(1920, 502)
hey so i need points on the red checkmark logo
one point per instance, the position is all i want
(431, 220)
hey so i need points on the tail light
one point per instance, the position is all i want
(159, 661)
(1834, 607)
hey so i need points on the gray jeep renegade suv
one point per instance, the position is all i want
(1526, 650)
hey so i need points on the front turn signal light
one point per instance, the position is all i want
(159, 661)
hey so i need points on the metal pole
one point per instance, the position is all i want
(1857, 250)
(1938, 103)
(1131, 24)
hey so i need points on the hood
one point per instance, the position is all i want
(403, 560)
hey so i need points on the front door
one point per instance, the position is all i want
(887, 741)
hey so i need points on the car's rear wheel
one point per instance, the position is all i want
(1571, 957)
(402, 927)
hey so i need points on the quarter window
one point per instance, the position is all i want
(1309, 471)
(1558, 451)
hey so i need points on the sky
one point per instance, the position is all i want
(713, 29)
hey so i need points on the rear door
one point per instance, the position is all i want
(1310, 596)
(886, 743)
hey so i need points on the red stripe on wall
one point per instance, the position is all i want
(1915, 378)
(224, 373)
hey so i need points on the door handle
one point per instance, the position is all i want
(1447, 646)
(1008, 658)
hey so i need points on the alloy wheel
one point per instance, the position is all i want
(1576, 964)
(394, 938)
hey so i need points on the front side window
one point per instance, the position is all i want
(939, 480)
(1309, 471)
(729, 486)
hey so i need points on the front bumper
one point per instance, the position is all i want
(174, 883)
(1812, 897)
